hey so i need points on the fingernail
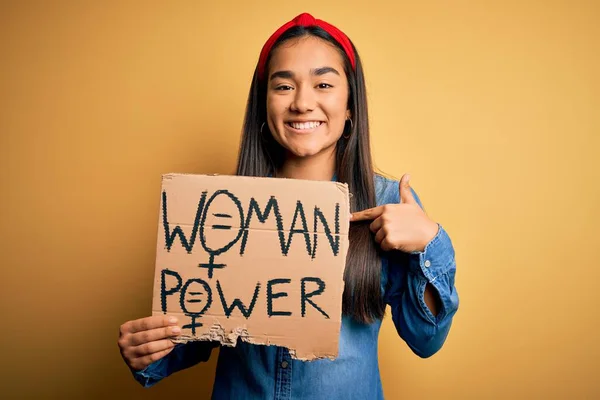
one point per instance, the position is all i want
(175, 329)
(350, 217)
(172, 320)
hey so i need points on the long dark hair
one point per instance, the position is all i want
(261, 155)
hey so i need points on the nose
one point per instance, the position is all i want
(304, 100)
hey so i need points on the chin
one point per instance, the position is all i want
(309, 148)
(305, 152)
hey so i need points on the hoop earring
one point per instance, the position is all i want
(351, 128)
(261, 127)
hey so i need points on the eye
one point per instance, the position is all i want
(324, 86)
(283, 87)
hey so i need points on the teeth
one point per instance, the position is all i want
(305, 125)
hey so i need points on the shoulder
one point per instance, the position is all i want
(387, 190)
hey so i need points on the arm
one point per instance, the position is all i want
(148, 350)
(183, 356)
(408, 277)
(418, 278)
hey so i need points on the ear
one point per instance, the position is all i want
(348, 114)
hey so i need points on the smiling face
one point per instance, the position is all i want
(307, 96)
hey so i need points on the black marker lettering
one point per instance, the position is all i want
(182, 300)
(333, 242)
(163, 287)
(262, 217)
(177, 231)
(305, 297)
(225, 227)
(221, 215)
(271, 296)
(303, 231)
(237, 302)
(215, 252)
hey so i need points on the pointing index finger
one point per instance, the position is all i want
(367, 215)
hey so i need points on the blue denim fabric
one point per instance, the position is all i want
(250, 371)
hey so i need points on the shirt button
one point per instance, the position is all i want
(427, 263)
(284, 364)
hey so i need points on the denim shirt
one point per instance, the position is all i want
(249, 371)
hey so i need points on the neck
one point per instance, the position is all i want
(320, 167)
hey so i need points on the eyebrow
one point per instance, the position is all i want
(324, 70)
(282, 74)
(315, 71)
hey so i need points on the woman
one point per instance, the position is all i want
(307, 118)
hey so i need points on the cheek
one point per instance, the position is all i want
(337, 109)
(275, 111)
(276, 106)
(270, 108)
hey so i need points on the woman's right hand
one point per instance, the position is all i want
(147, 340)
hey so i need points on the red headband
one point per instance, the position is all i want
(305, 20)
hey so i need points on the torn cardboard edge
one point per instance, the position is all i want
(217, 334)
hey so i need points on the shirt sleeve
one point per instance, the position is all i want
(407, 278)
(183, 356)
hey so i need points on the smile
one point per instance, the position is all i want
(304, 126)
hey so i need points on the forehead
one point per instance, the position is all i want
(305, 53)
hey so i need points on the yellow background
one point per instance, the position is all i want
(492, 106)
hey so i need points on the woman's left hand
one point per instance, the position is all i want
(403, 226)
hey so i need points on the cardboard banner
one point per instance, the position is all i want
(259, 259)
